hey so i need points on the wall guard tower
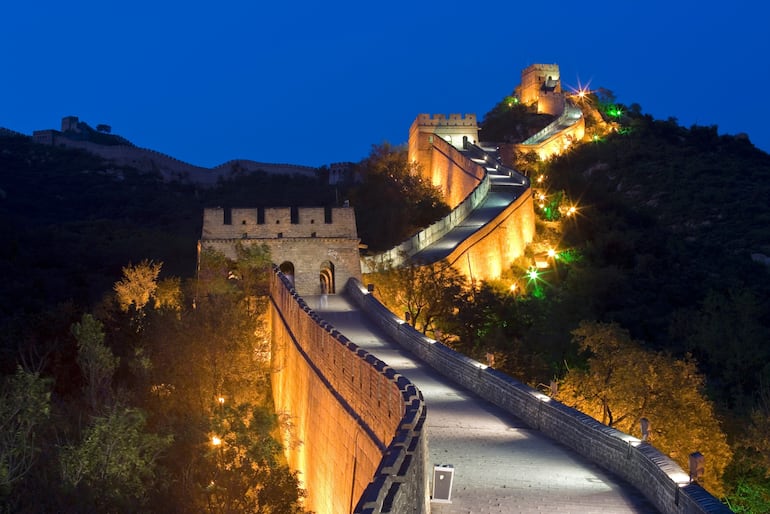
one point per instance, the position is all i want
(316, 247)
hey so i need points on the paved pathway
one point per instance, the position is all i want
(503, 191)
(501, 465)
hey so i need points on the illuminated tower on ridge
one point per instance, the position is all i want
(541, 84)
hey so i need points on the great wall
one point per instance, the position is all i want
(362, 424)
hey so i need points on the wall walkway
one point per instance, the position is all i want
(662, 482)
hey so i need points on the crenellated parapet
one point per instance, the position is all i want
(453, 129)
(279, 222)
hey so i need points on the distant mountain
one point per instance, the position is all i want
(100, 141)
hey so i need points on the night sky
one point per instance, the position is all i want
(319, 82)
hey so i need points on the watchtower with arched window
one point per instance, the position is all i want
(316, 247)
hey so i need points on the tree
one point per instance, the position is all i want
(749, 473)
(393, 202)
(114, 465)
(96, 360)
(247, 475)
(426, 293)
(624, 383)
(138, 285)
(168, 294)
(726, 335)
(25, 403)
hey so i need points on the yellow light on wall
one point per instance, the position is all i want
(216, 441)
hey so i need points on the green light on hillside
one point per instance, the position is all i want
(614, 111)
(569, 256)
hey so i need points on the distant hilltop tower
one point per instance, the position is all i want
(541, 85)
(435, 143)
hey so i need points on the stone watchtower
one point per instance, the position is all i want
(541, 85)
(316, 247)
(435, 143)
(454, 130)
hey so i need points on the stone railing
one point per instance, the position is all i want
(569, 117)
(429, 235)
(362, 396)
(661, 480)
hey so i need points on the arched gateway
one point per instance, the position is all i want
(316, 247)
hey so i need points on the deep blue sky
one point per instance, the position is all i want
(318, 82)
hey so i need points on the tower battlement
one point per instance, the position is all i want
(440, 120)
(454, 129)
(278, 222)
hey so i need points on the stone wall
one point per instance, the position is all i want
(655, 475)
(490, 250)
(398, 255)
(269, 222)
(359, 423)
(442, 163)
(554, 139)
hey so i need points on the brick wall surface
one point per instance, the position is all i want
(359, 422)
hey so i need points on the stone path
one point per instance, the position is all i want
(500, 465)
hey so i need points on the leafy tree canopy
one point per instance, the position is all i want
(624, 383)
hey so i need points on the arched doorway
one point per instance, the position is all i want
(326, 277)
(287, 268)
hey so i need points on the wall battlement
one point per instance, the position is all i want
(279, 222)
(440, 120)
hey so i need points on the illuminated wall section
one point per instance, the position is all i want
(559, 143)
(490, 250)
(345, 408)
(434, 143)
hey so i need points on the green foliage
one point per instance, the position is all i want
(665, 208)
(749, 482)
(25, 404)
(96, 361)
(392, 201)
(115, 464)
(728, 337)
(624, 383)
(246, 475)
(427, 294)
(512, 122)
